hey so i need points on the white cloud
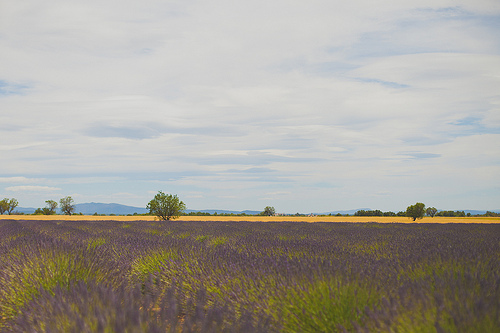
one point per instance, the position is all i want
(18, 180)
(317, 92)
(32, 188)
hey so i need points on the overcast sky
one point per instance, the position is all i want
(307, 106)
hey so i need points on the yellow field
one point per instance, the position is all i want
(261, 218)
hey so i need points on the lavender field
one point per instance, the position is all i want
(90, 276)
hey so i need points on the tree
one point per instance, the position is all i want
(268, 211)
(67, 206)
(416, 211)
(368, 213)
(166, 206)
(4, 205)
(431, 211)
(13, 203)
(8, 206)
(51, 207)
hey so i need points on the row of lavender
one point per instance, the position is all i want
(248, 277)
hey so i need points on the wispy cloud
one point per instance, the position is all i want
(18, 180)
(420, 155)
(32, 188)
(224, 102)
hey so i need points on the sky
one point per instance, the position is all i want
(306, 106)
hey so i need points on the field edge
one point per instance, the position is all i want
(309, 219)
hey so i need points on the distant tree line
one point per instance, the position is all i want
(491, 214)
(450, 213)
(214, 214)
(168, 206)
(377, 213)
(66, 205)
(198, 214)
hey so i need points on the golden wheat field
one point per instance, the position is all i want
(311, 219)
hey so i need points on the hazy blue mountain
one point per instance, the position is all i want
(352, 211)
(221, 211)
(25, 210)
(472, 212)
(344, 212)
(93, 207)
(100, 208)
(118, 209)
(108, 208)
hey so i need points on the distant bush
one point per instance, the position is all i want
(373, 213)
(198, 214)
(492, 214)
(450, 213)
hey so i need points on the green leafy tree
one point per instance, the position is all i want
(431, 211)
(166, 206)
(268, 211)
(51, 207)
(4, 205)
(8, 206)
(67, 206)
(416, 211)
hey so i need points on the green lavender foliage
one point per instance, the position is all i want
(248, 277)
